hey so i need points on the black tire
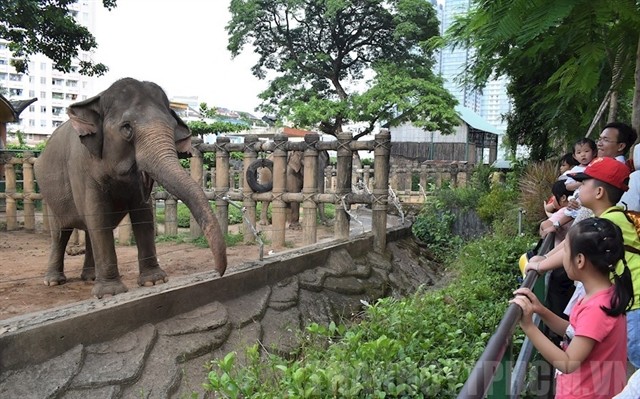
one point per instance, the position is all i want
(252, 175)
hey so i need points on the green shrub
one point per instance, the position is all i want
(433, 226)
(492, 206)
(184, 215)
(423, 346)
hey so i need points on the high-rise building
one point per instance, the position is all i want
(54, 90)
(454, 60)
(492, 103)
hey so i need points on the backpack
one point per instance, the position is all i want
(634, 218)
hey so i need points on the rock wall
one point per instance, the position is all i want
(163, 353)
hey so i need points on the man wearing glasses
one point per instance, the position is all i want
(615, 140)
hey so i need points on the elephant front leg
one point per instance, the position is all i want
(107, 276)
(55, 270)
(150, 270)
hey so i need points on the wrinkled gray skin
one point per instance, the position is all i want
(101, 164)
(294, 184)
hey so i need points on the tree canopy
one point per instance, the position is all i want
(48, 27)
(200, 128)
(339, 61)
(567, 62)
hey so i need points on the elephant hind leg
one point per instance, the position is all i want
(89, 266)
(55, 271)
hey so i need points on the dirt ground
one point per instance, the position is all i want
(24, 255)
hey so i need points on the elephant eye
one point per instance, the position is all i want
(127, 131)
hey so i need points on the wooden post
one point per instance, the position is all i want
(3, 145)
(424, 181)
(10, 191)
(278, 206)
(453, 171)
(250, 155)
(366, 175)
(170, 216)
(28, 189)
(195, 167)
(309, 189)
(222, 183)
(46, 226)
(382, 154)
(154, 210)
(344, 184)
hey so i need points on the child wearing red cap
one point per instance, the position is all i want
(604, 182)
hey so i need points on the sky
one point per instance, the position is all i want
(180, 45)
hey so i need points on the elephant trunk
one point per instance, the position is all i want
(160, 161)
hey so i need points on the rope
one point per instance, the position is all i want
(386, 144)
(343, 145)
(396, 202)
(351, 214)
(221, 147)
(312, 145)
(281, 145)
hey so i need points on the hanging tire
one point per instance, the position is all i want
(252, 175)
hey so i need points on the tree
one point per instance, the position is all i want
(345, 61)
(47, 27)
(201, 128)
(567, 61)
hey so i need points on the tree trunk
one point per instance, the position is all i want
(599, 113)
(613, 106)
(635, 114)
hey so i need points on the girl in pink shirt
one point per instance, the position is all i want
(592, 362)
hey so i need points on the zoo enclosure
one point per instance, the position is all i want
(344, 185)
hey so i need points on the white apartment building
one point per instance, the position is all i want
(54, 90)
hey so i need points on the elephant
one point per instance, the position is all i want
(294, 183)
(101, 164)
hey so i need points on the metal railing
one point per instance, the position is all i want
(494, 374)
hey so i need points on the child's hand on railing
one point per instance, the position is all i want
(534, 264)
(529, 304)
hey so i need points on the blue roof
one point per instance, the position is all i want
(476, 121)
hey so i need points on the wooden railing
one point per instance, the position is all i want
(495, 375)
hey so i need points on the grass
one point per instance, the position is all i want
(422, 346)
(182, 238)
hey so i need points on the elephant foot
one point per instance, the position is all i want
(264, 223)
(295, 226)
(88, 274)
(54, 278)
(73, 250)
(152, 276)
(110, 287)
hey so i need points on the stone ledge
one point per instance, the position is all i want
(35, 338)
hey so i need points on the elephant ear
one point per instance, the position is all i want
(85, 119)
(182, 135)
(295, 160)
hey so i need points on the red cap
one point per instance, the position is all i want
(608, 170)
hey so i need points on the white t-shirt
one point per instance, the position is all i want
(631, 198)
(575, 169)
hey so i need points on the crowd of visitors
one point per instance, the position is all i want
(593, 303)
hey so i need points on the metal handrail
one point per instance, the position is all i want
(482, 376)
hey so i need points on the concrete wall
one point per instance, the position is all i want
(156, 343)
